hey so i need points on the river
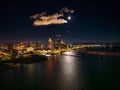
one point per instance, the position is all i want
(90, 72)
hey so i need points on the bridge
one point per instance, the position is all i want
(101, 53)
(83, 52)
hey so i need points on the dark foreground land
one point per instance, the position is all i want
(28, 59)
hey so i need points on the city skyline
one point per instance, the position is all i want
(91, 21)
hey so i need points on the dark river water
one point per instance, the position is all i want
(90, 72)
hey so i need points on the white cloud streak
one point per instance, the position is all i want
(42, 19)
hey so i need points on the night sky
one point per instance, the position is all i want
(92, 21)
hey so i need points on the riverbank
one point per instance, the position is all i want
(25, 59)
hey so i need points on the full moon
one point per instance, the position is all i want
(69, 18)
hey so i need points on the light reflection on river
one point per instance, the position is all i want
(90, 72)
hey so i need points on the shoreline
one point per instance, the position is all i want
(28, 59)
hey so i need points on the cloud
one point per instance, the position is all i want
(38, 15)
(42, 19)
(48, 22)
(66, 10)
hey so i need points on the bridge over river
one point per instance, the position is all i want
(83, 52)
